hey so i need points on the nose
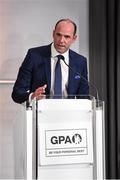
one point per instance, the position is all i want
(62, 39)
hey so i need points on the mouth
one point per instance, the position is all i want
(61, 46)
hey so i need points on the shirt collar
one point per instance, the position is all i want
(54, 53)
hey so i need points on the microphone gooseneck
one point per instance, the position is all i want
(89, 83)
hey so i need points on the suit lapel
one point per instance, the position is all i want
(48, 72)
(73, 82)
(48, 66)
(71, 74)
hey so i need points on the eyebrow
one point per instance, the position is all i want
(66, 35)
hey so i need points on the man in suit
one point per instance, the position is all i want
(36, 74)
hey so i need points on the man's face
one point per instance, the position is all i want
(63, 36)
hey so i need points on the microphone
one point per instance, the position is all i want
(89, 83)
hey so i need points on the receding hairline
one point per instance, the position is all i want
(67, 20)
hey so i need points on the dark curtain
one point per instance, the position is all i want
(104, 65)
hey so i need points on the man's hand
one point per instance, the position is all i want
(39, 93)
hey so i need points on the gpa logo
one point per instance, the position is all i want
(74, 139)
(77, 138)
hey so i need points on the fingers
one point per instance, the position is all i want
(39, 93)
(40, 90)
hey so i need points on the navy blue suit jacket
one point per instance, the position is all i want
(35, 71)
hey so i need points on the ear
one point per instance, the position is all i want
(75, 37)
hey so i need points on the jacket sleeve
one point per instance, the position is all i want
(22, 86)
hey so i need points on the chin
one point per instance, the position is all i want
(61, 51)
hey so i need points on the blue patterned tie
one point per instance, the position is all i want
(58, 79)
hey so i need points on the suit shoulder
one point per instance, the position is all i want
(40, 49)
(77, 55)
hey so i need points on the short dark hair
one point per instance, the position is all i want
(68, 20)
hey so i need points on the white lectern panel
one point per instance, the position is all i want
(65, 132)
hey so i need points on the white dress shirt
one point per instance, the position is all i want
(64, 70)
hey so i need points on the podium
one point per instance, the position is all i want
(66, 139)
